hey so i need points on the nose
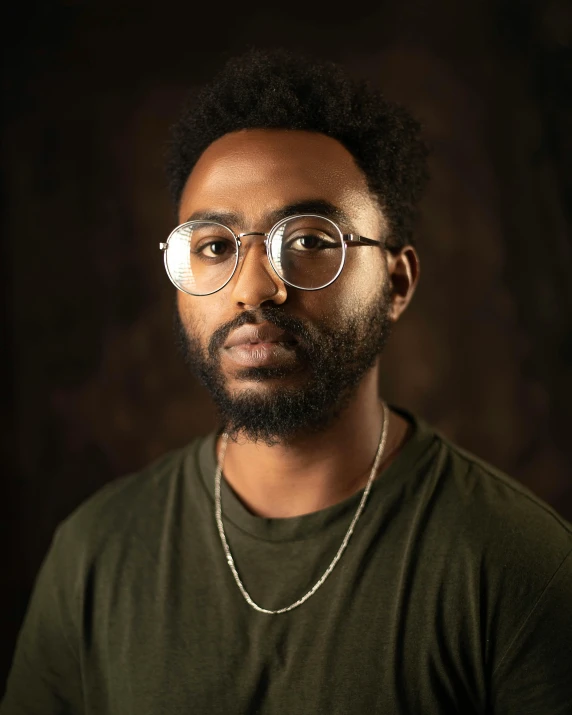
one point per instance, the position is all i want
(255, 281)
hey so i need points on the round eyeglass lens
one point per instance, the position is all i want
(201, 256)
(307, 251)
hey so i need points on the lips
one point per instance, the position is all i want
(260, 333)
(262, 345)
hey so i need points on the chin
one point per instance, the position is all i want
(265, 376)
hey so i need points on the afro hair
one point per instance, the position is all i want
(277, 90)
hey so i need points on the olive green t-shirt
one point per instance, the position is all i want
(453, 596)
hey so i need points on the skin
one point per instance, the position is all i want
(253, 173)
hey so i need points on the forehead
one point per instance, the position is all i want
(256, 171)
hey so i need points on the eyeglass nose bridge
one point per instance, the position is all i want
(253, 233)
(238, 236)
(266, 245)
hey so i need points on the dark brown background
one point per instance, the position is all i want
(95, 387)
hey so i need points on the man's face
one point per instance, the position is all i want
(330, 337)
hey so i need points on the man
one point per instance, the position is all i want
(321, 553)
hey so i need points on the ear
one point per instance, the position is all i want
(403, 272)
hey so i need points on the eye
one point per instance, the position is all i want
(309, 242)
(214, 248)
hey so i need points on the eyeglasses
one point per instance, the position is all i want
(306, 251)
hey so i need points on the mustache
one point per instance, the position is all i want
(269, 314)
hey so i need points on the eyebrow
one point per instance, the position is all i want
(310, 206)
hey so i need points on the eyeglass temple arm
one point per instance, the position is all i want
(353, 239)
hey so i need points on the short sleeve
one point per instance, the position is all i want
(535, 674)
(45, 676)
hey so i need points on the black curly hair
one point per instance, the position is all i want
(275, 89)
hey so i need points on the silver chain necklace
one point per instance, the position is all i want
(349, 532)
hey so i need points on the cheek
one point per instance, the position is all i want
(194, 315)
(361, 282)
(363, 277)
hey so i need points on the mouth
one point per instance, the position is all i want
(262, 354)
(261, 345)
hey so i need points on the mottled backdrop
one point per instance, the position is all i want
(94, 388)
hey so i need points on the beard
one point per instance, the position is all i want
(334, 357)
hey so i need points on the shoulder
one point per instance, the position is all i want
(500, 557)
(467, 489)
(500, 501)
(498, 523)
(130, 507)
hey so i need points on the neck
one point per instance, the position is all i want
(312, 472)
